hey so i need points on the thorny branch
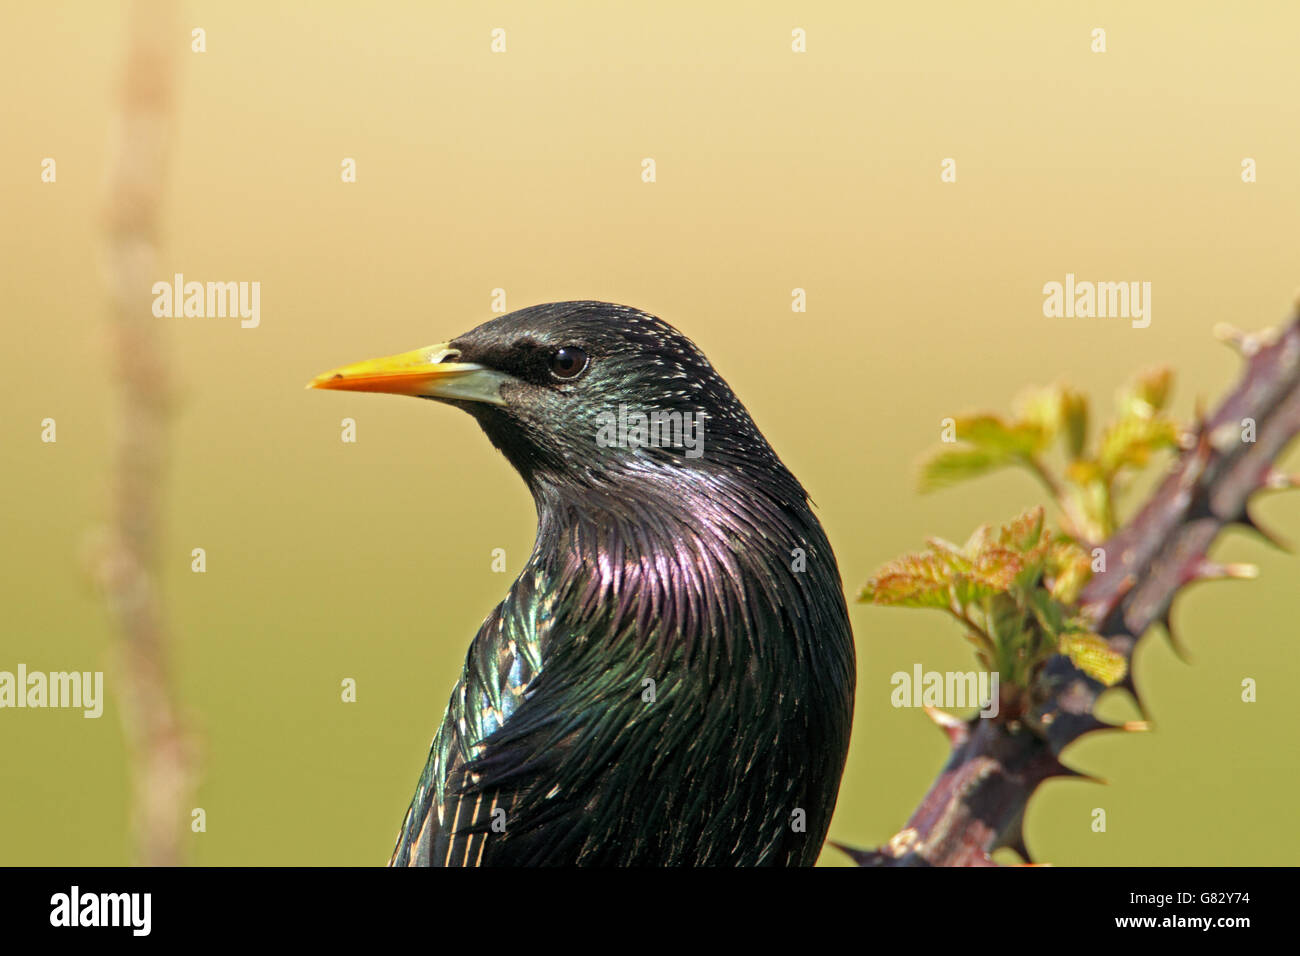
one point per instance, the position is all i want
(977, 803)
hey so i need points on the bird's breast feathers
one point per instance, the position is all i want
(646, 694)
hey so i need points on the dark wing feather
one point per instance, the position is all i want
(450, 815)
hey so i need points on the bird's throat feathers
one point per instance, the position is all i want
(690, 562)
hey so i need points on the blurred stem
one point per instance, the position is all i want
(983, 637)
(1074, 523)
(161, 753)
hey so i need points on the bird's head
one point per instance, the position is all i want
(581, 393)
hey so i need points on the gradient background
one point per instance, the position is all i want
(522, 171)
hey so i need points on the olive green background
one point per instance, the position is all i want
(522, 171)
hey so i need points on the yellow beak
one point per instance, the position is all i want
(427, 373)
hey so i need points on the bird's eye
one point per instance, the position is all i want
(568, 362)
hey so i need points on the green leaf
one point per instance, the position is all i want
(949, 467)
(1130, 442)
(914, 580)
(992, 434)
(1040, 409)
(995, 584)
(1147, 393)
(1025, 532)
(1092, 655)
(988, 564)
(1069, 567)
(992, 443)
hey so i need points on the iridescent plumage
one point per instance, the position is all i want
(670, 679)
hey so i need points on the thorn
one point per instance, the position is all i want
(1207, 570)
(860, 857)
(1246, 344)
(1080, 775)
(1131, 686)
(1016, 841)
(1059, 769)
(1092, 724)
(1204, 447)
(1179, 650)
(1247, 520)
(1196, 442)
(1240, 342)
(1194, 434)
(1277, 480)
(1227, 333)
(1095, 724)
(1199, 414)
(954, 729)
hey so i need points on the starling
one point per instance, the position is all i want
(670, 679)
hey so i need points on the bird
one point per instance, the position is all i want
(669, 681)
